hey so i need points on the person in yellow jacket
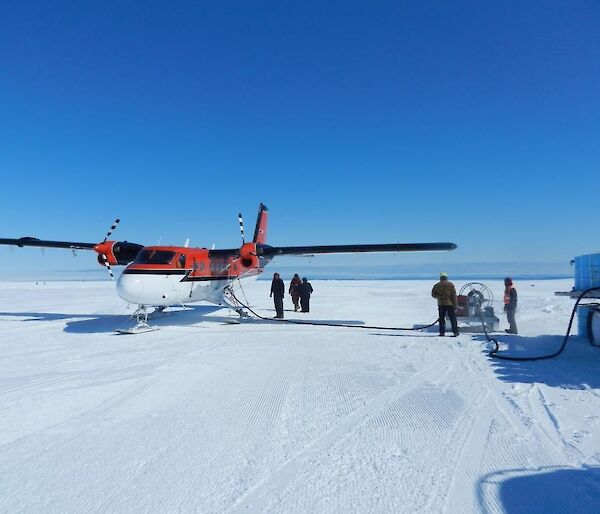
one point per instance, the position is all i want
(445, 294)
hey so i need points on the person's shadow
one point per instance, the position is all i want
(549, 490)
(577, 367)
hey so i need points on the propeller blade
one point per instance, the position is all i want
(108, 268)
(241, 220)
(111, 229)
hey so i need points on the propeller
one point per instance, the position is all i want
(241, 220)
(103, 256)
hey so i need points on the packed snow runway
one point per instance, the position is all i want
(205, 416)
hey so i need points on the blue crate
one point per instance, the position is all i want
(587, 271)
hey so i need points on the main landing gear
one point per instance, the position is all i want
(231, 301)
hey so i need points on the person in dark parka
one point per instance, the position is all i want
(277, 293)
(306, 290)
(294, 291)
(510, 305)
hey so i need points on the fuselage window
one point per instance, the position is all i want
(217, 266)
(181, 261)
(154, 257)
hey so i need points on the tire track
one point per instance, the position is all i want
(551, 428)
(513, 436)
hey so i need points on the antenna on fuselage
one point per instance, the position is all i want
(241, 220)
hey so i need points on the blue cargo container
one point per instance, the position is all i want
(583, 312)
(587, 271)
(587, 276)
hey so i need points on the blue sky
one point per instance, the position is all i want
(471, 122)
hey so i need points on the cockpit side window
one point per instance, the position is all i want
(154, 257)
(181, 261)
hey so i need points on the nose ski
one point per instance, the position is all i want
(141, 316)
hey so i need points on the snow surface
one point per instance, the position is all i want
(204, 416)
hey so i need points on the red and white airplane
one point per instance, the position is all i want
(162, 276)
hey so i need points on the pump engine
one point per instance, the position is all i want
(474, 305)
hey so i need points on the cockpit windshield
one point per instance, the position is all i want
(154, 257)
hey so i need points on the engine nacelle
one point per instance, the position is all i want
(248, 258)
(117, 252)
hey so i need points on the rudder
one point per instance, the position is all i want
(260, 232)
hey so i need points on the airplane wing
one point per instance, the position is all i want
(359, 248)
(272, 251)
(117, 252)
(34, 241)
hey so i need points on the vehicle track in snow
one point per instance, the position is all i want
(521, 430)
(491, 419)
(210, 436)
(258, 498)
(205, 486)
(85, 431)
(531, 420)
(393, 448)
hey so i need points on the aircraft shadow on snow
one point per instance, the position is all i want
(549, 490)
(107, 323)
(577, 367)
(95, 323)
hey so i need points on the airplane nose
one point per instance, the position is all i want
(146, 289)
(129, 288)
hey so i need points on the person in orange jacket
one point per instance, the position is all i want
(510, 305)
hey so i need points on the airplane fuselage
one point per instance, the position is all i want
(168, 275)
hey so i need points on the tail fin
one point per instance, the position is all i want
(260, 232)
